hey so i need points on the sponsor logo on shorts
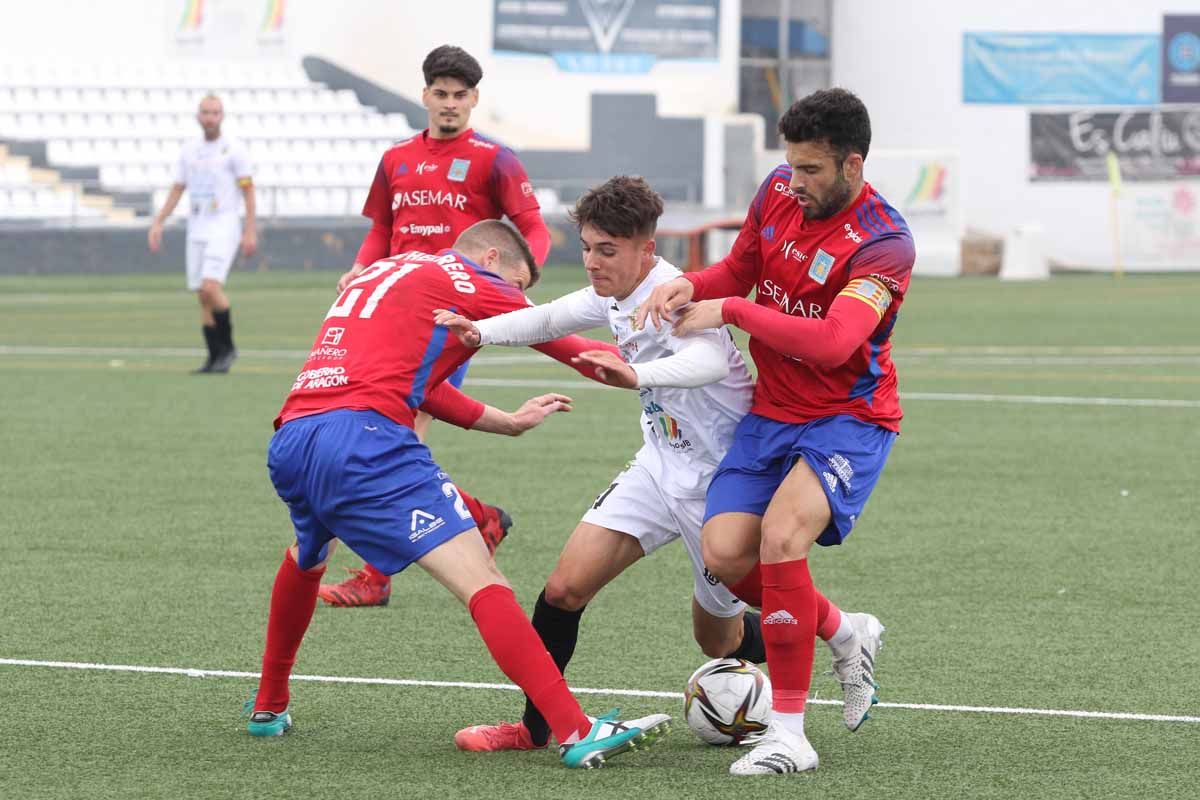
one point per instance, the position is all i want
(780, 617)
(426, 230)
(711, 579)
(841, 467)
(831, 481)
(423, 523)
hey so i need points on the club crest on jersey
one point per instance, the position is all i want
(822, 265)
(458, 169)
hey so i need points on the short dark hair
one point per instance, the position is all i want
(835, 116)
(505, 238)
(623, 206)
(449, 61)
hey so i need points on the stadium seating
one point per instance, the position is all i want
(314, 150)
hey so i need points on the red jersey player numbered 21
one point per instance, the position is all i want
(427, 190)
(829, 261)
(349, 466)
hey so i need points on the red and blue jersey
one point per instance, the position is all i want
(427, 191)
(378, 348)
(798, 267)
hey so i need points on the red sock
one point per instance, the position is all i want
(749, 588)
(789, 627)
(829, 617)
(520, 654)
(475, 507)
(293, 599)
(374, 575)
(749, 591)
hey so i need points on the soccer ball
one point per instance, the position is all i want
(727, 702)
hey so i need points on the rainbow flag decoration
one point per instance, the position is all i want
(930, 185)
(670, 427)
(193, 18)
(272, 24)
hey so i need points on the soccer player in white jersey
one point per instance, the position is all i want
(693, 391)
(212, 170)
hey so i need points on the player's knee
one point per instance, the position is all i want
(724, 561)
(717, 643)
(561, 594)
(787, 540)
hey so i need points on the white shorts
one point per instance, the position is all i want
(635, 506)
(210, 259)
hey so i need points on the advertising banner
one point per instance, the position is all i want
(1149, 145)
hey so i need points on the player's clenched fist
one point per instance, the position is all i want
(459, 325)
(662, 302)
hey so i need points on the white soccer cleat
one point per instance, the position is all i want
(856, 672)
(780, 752)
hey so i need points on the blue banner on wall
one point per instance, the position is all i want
(1181, 58)
(1062, 68)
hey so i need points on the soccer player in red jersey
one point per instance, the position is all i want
(348, 464)
(830, 261)
(428, 189)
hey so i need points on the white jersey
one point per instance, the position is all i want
(686, 431)
(211, 171)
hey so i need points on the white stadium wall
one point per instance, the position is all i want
(523, 98)
(905, 61)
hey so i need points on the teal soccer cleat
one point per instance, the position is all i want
(609, 737)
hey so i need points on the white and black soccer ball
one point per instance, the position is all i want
(728, 702)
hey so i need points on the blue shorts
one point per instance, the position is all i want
(456, 378)
(368, 481)
(846, 454)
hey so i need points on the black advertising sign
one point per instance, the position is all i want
(1150, 145)
(1181, 58)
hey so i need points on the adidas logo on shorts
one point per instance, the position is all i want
(780, 617)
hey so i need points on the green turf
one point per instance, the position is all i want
(1021, 555)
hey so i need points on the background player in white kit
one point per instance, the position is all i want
(212, 170)
(660, 496)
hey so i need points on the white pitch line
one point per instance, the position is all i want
(193, 672)
(985, 356)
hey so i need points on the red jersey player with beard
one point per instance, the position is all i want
(829, 261)
(428, 189)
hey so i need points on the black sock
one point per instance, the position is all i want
(224, 330)
(210, 341)
(559, 631)
(752, 648)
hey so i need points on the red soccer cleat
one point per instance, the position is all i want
(490, 738)
(496, 523)
(360, 589)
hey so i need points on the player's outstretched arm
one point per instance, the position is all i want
(459, 325)
(531, 414)
(608, 367)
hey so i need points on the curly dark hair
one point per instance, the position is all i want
(449, 61)
(835, 116)
(623, 206)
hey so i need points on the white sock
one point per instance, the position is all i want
(843, 641)
(793, 723)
